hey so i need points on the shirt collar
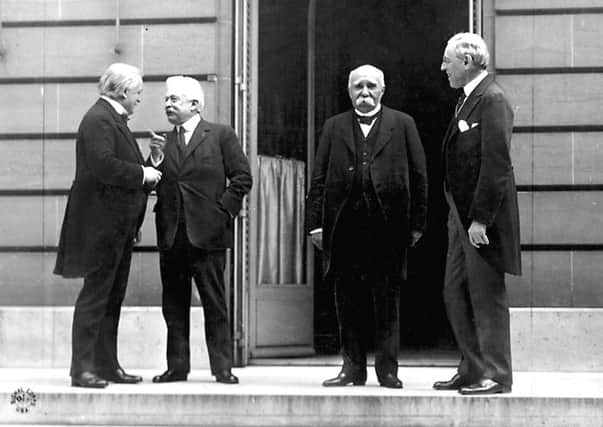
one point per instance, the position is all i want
(370, 113)
(191, 123)
(119, 109)
(470, 87)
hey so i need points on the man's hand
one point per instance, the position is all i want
(477, 234)
(415, 236)
(151, 175)
(157, 144)
(317, 239)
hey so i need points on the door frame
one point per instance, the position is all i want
(245, 106)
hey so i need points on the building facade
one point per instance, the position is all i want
(275, 70)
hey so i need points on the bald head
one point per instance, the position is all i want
(366, 86)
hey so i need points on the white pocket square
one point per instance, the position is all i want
(464, 126)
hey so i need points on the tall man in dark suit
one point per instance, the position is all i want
(205, 178)
(483, 223)
(367, 203)
(104, 212)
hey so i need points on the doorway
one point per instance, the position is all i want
(405, 39)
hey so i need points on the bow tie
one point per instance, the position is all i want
(366, 120)
(125, 118)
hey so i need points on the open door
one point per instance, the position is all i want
(292, 312)
(281, 292)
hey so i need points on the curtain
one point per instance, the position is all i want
(281, 204)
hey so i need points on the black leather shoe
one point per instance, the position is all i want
(119, 376)
(485, 386)
(454, 383)
(390, 381)
(344, 379)
(88, 380)
(226, 377)
(170, 376)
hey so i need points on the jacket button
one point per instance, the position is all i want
(351, 168)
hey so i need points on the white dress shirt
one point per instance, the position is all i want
(364, 127)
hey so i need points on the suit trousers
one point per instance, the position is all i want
(178, 266)
(352, 291)
(478, 310)
(363, 274)
(97, 312)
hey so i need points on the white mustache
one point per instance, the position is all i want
(365, 100)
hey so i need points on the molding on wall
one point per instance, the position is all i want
(57, 135)
(558, 187)
(110, 22)
(210, 77)
(50, 249)
(542, 11)
(561, 247)
(555, 129)
(549, 70)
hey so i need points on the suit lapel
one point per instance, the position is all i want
(383, 135)
(385, 130)
(472, 100)
(346, 130)
(130, 138)
(199, 134)
(123, 128)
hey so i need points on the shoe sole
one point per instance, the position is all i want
(478, 393)
(353, 383)
(169, 381)
(449, 388)
(89, 385)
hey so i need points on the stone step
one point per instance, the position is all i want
(293, 396)
(543, 339)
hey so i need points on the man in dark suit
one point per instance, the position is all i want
(104, 212)
(367, 203)
(483, 223)
(205, 178)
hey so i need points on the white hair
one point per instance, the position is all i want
(472, 45)
(118, 78)
(367, 70)
(187, 87)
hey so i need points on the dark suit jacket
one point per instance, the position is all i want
(397, 170)
(479, 174)
(107, 199)
(198, 182)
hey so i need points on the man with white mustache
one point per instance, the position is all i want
(366, 205)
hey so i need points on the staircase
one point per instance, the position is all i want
(293, 396)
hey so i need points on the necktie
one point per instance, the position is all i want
(181, 140)
(366, 120)
(459, 104)
(125, 118)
